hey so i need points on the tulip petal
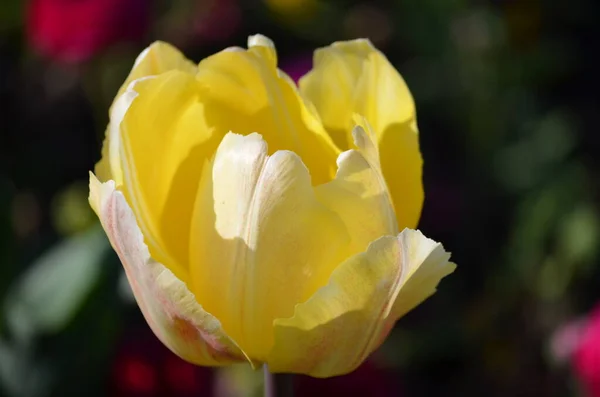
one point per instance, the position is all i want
(359, 194)
(164, 144)
(109, 167)
(167, 304)
(354, 77)
(247, 84)
(343, 322)
(156, 59)
(265, 46)
(261, 242)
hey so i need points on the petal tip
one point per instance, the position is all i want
(260, 40)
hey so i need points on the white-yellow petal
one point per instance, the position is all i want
(261, 242)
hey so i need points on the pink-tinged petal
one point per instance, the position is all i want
(334, 331)
(169, 307)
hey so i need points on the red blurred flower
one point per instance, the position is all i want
(74, 30)
(367, 380)
(586, 357)
(144, 367)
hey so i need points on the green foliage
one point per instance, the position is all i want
(50, 292)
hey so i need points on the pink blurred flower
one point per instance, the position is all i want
(72, 31)
(566, 340)
(586, 356)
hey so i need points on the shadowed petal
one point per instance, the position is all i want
(164, 143)
(354, 77)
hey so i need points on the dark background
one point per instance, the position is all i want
(507, 102)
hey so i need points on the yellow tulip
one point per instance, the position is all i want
(263, 222)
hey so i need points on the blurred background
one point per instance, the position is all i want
(507, 101)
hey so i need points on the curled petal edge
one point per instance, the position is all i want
(334, 331)
(168, 306)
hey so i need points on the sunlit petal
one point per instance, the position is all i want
(247, 84)
(343, 322)
(261, 242)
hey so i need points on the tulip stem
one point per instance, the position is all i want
(280, 385)
(269, 382)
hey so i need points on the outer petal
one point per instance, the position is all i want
(261, 242)
(359, 194)
(156, 59)
(164, 144)
(248, 84)
(343, 322)
(354, 77)
(109, 167)
(168, 306)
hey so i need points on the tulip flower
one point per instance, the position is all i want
(263, 222)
